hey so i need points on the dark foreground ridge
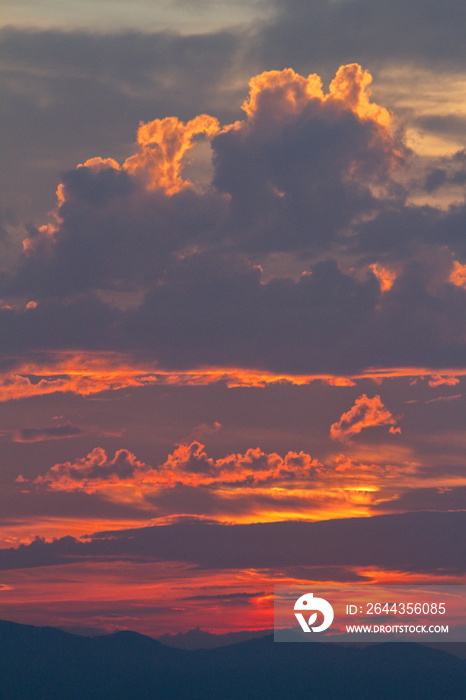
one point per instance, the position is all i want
(199, 639)
(44, 663)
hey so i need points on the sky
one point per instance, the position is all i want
(232, 306)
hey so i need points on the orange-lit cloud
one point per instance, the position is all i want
(384, 276)
(339, 381)
(399, 578)
(453, 397)
(93, 471)
(351, 87)
(438, 380)
(168, 597)
(278, 96)
(364, 475)
(27, 529)
(138, 256)
(162, 145)
(88, 373)
(156, 166)
(366, 413)
(254, 486)
(188, 465)
(171, 596)
(289, 93)
(80, 373)
(458, 275)
(191, 573)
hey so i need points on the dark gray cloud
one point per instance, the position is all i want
(303, 174)
(128, 58)
(24, 506)
(213, 310)
(387, 541)
(418, 32)
(68, 96)
(298, 171)
(448, 171)
(327, 321)
(453, 125)
(55, 324)
(57, 432)
(282, 177)
(210, 304)
(113, 235)
(423, 499)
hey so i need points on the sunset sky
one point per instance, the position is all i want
(232, 305)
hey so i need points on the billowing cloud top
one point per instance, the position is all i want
(188, 465)
(366, 413)
(141, 260)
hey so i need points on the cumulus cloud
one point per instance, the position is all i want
(304, 163)
(188, 465)
(161, 268)
(366, 413)
(118, 227)
(97, 87)
(162, 145)
(297, 170)
(290, 94)
(95, 469)
(249, 486)
(116, 230)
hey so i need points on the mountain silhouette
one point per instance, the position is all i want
(44, 663)
(200, 639)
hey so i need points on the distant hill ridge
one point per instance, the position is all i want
(200, 639)
(44, 663)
